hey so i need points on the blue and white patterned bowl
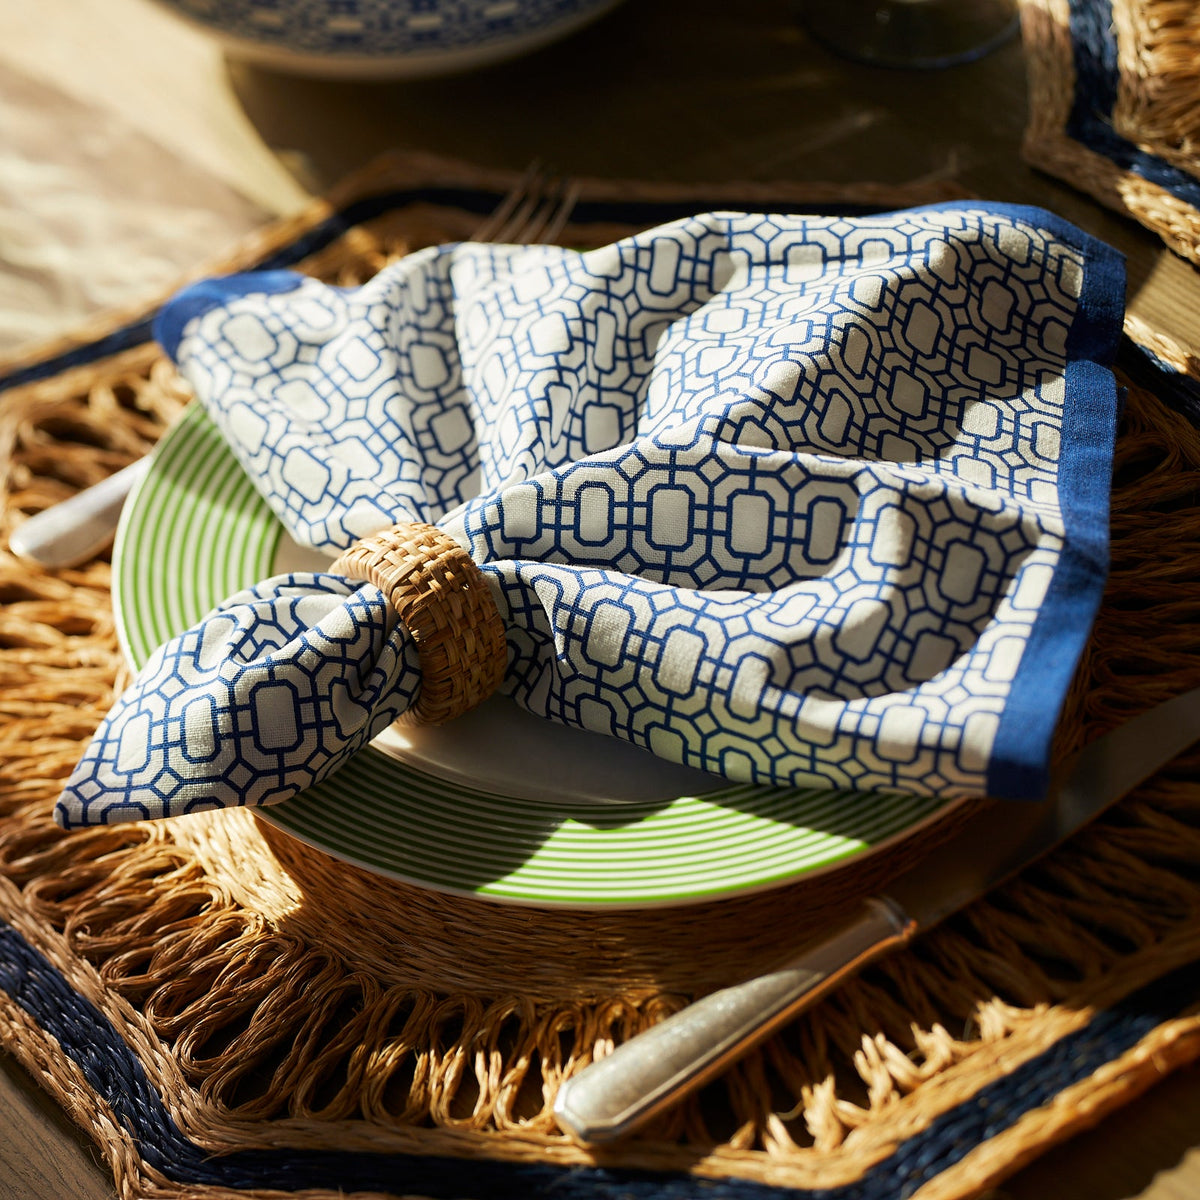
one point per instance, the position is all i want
(381, 39)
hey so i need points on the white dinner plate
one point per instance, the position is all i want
(501, 805)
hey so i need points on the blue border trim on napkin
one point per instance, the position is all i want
(198, 298)
(1019, 765)
(118, 1078)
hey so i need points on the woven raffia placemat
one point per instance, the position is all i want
(229, 1013)
(1114, 86)
(1114, 109)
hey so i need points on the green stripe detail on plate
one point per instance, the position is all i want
(196, 531)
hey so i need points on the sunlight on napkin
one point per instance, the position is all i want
(812, 501)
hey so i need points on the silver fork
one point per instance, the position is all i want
(534, 211)
(71, 532)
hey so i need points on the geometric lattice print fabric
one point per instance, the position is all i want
(803, 500)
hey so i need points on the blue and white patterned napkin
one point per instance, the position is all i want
(817, 501)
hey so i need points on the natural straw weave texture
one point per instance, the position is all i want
(1114, 90)
(1114, 110)
(231, 1014)
(443, 599)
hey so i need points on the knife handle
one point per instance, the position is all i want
(613, 1096)
(74, 530)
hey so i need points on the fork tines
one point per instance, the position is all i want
(534, 211)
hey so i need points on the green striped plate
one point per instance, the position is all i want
(195, 531)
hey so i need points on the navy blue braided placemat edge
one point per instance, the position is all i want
(118, 1080)
(1094, 41)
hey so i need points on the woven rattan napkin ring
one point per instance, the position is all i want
(444, 601)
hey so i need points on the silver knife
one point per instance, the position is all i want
(76, 529)
(618, 1093)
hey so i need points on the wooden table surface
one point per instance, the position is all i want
(674, 90)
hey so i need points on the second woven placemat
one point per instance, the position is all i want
(1113, 106)
(1114, 110)
(229, 1013)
